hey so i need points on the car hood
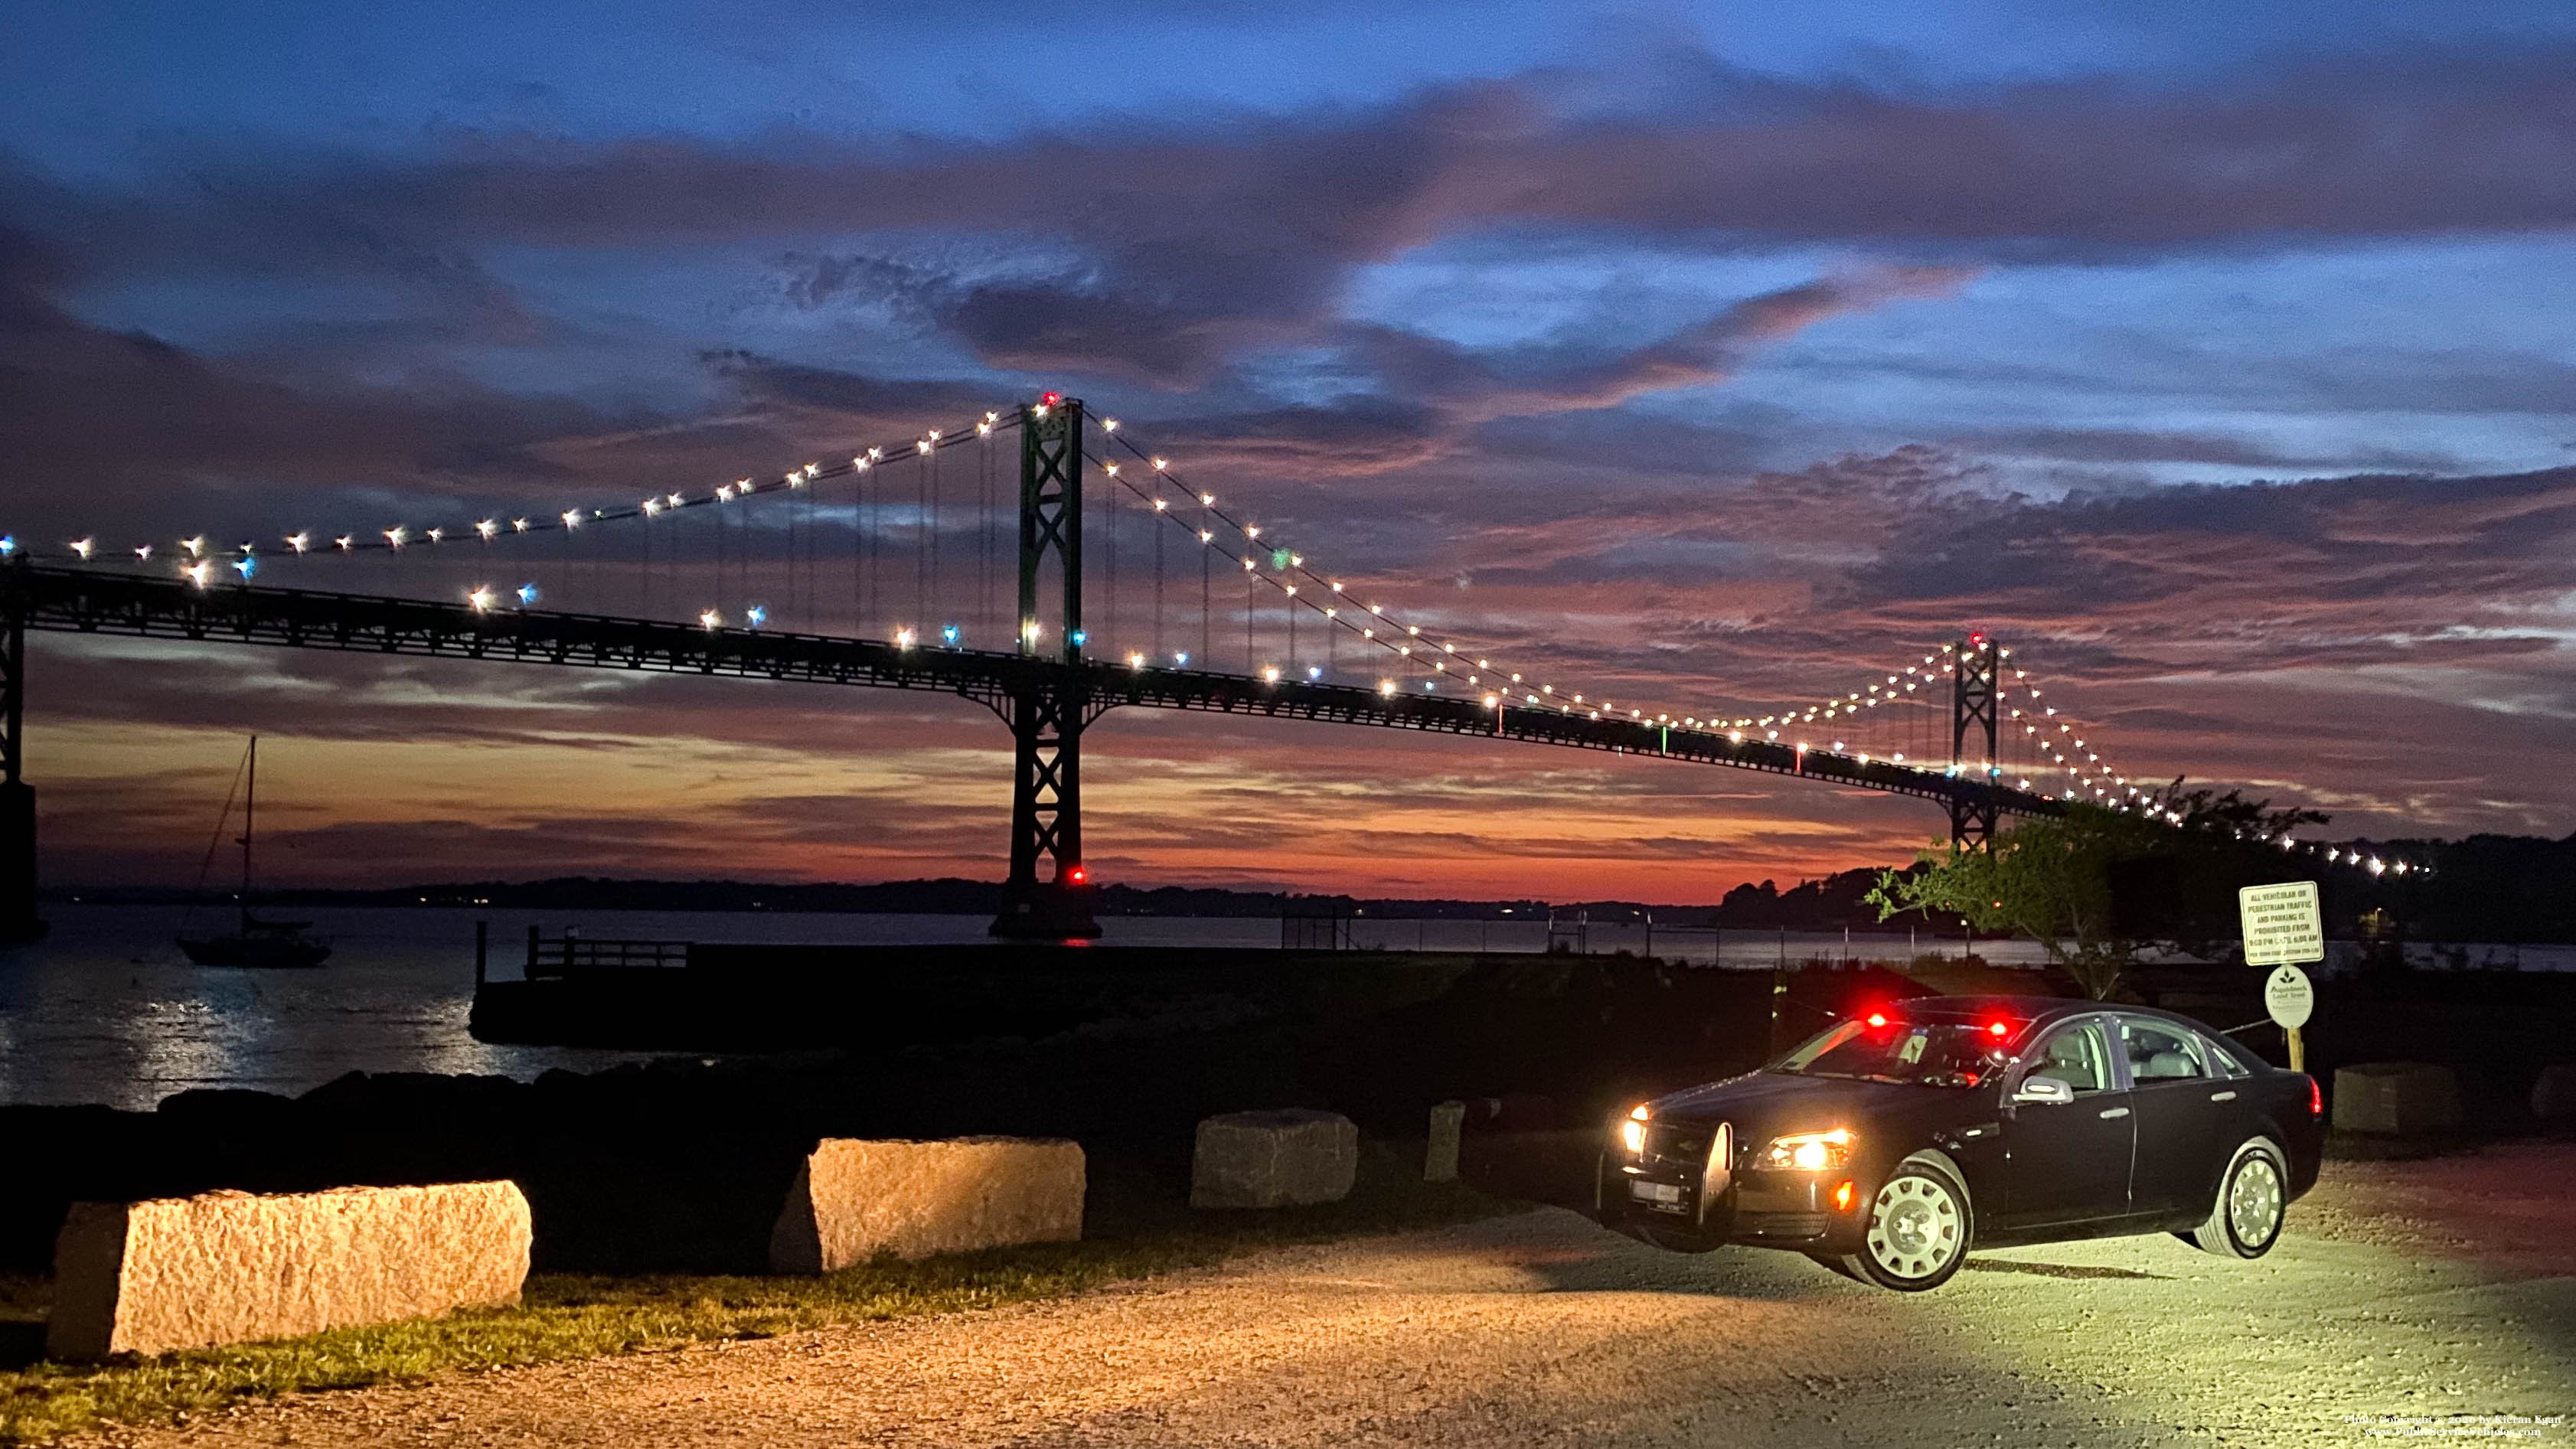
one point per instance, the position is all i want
(1780, 1102)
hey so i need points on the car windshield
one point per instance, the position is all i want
(1921, 1053)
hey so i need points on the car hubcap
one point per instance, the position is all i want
(1914, 1227)
(2254, 1201)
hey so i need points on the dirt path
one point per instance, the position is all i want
(2405, 1294)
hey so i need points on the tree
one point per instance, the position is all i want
(2050, 878)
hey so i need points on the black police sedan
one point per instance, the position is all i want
(1893, 1143)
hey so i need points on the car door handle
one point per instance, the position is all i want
(2222, 1096)
(2115, 1112)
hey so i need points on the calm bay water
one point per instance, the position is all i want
(106, 1010)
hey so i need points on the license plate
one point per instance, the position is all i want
(1655, 1192)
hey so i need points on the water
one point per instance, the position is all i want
(106, 1010)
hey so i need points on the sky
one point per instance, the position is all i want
(1706, 356)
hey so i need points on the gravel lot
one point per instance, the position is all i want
(2408, 1300)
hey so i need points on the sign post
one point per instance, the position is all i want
(2285, 929)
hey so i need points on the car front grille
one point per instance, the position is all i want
(1779, 1225)
(1677, 1145)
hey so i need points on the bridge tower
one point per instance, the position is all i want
(18, 919)
(1973, 692)
(1049, 706)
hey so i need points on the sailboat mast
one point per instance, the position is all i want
(250, 818)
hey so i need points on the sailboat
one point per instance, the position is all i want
(253, 942)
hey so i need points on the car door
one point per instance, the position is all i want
(2068, 1162)
(2184, 1110)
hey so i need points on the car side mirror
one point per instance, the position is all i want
(2045, 1089)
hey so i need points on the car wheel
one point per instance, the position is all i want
(1919, 1228)
(2253, 1197)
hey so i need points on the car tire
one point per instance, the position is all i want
(2253, 1199)
(1918, 1231)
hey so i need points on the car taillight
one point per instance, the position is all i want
(2316, 1099)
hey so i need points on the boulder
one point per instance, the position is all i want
(2553, 1097)
(1281, 1158)
(224, 1267)
(855, 1198)
(1440, 1156)
(2396, 1098)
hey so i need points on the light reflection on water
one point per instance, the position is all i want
(106, 1010)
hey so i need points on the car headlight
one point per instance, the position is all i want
(1632, 1133)
(1809, 1151)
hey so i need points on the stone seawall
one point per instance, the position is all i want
(226, 1267)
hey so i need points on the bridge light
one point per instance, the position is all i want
(1314, 671)
(141, 551)
(1078, 638)
(1491, 701)
(1135, 660)
(1248, 565)
(482, 599)
(1108, 425)
(527, 595)
(299, 541)
(394, 535)
(757, 614)
(1516, 679)
(903, 638)
(82, 546)
(8, 544)
(196, 572)
(572, 518)
(984, 428)
(948, 633)
(518, 525)
(1252, 530)
(1160, 504)
(1205, 536)
(1337, 586)
(1206, 500)
(710, 619)
(196, 547)
(923, 447)
(1270, 673)
(1181, 660)
(1898, 758)
(246, 566)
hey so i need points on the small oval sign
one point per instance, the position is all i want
(2288, 996)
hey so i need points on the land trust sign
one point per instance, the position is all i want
(2283, 926)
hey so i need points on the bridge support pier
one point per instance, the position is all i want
(1046, 823)
(19, 921)
(1047, 714)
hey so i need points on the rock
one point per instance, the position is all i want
(168, 1273)
(854, 1199)
(1274, 1159)
(2395, 1097)
(2553, 1097)
(1440, 1158)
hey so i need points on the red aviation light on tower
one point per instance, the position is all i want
(1050, 399)
(1077, 875)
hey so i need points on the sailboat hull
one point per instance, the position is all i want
(254, 951)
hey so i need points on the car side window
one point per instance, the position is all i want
(2226, 1058)
(2160, 1054)
(2075, 1056)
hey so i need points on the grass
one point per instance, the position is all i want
(568, 1316)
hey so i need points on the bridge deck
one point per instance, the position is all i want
(67, 599)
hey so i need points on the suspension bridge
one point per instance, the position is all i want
(1087, 577)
